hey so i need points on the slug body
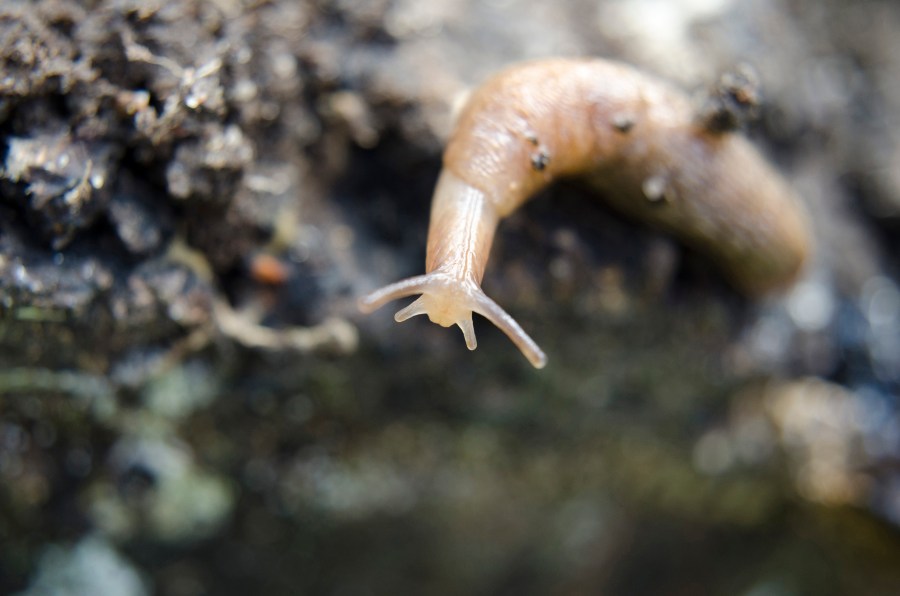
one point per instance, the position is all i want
(634, 138)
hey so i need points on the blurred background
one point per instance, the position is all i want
(194, 194)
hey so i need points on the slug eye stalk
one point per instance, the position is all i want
(449, 301)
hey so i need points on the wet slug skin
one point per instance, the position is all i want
(635, 139)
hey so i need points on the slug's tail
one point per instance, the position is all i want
(448, 301)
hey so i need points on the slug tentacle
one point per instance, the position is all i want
(501, 319)
(401, 289)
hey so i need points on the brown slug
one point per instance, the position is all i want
(637, 140)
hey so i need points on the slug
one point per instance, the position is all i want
(640, 142)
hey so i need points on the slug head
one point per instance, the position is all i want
(449, 301)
